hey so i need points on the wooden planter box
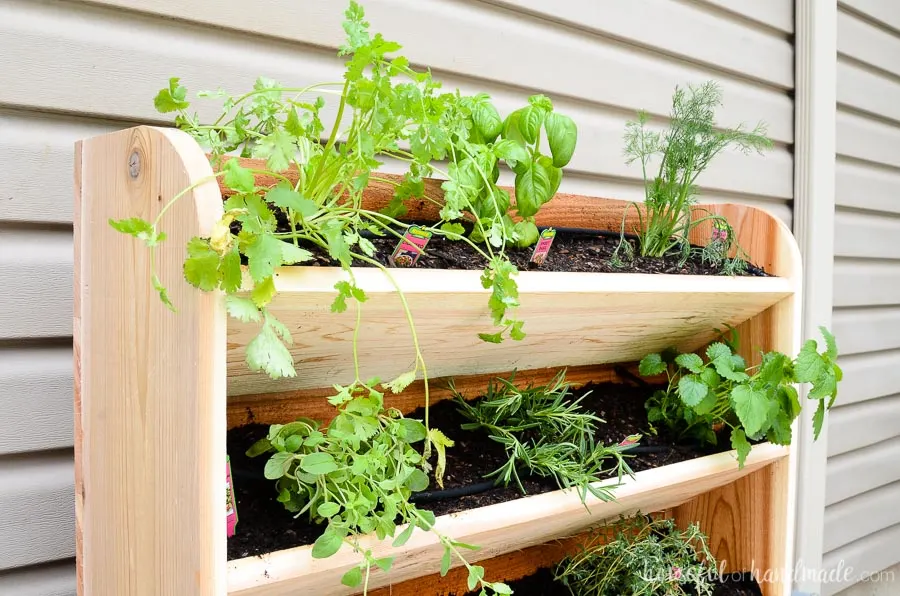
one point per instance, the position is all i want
(156, 391)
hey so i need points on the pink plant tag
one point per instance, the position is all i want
(410, 247)
(542, 248)
(630, 440)
(231, 505)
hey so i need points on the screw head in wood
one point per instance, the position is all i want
(134, 164)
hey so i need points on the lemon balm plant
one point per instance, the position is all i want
(755, 403)
(684, 150)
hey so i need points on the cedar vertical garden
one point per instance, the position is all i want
(263, 232)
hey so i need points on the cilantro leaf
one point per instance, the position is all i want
(267, 353)
(242, 309)
(282, 195)
(263, 292)
(291, 254)
(401, 382)
(277, 148)
(163, 293)
(201, 268)
(230, 271)
(238, 177)
(171, 98)
(264, 255)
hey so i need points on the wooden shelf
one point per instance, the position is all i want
(497, 529)
(571, 319)
(152, 387)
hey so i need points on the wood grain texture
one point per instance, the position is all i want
(76, 374)
(505, 568)
(497, 529)
(571, 318)
(152, 383)
(278, 408)
(745, 525)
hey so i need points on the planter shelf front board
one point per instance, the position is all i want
(152, 387)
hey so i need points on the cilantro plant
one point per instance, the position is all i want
(385, 109)
(356, 476)
(645, 558)
(685, 150)
(545, 433)
(756, 403)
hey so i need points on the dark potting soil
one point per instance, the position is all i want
(541, 583)
(574, 252)
(265, 526)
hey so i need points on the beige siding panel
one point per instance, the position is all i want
(867, 186)
(860, 282)
(882, 583)
(208, 59)
(867, 91)
(39, 187)
(887, 12)
(868, 376)
(426, 29)
(57, 579)
(859, 425)
(862, 515)
(36, 277)
(871, 554)
(728, 45)
(867, 330)
(869, 468)
(866, 235)
(862, 138)
(778, 14)
(35, 398)
(866, 43)
(37, 511)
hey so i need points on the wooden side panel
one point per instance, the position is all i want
(76, 384)
(150, 456)
(745, 524)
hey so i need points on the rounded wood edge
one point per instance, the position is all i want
(152, 382)
(500, 529)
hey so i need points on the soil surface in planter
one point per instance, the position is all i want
(265, 526)
(573, 251)
(541, 583)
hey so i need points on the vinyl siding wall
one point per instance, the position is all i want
(862, 516)
(72, 70)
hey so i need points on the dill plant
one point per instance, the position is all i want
(685, 150)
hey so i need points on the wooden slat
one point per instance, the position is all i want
(151, 459)
(746, 522)
(278, 408)
(581, 303)
(505, 568)
(77, 340)
(497, 529)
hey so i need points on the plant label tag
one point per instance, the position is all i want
(230, 504)
(542, 248)
(410, 247)
(630, 440)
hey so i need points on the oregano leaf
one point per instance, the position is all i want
(278, 465)
(318, 463)
(352, 578)
(327, 544)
